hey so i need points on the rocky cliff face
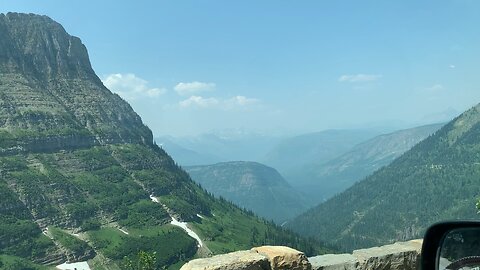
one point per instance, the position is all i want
(50, 97)
(40, 47)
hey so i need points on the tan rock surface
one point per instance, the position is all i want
(284, 258)
(334, 262)
(398, 256)
(240, 260)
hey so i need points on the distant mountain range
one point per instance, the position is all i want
(211, 148)
(319, 164)
(184, 156)
(293, 153)
(437, 179)
(253, 186)
(321, 181)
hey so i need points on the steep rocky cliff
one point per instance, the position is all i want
(50, 97)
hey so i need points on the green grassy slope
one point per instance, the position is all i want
(106, 187)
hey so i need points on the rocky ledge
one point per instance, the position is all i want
(398, 256)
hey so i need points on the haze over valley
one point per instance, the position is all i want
(147, 136)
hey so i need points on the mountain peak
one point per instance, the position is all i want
(40, 46)
(251, 185)
(50, 94)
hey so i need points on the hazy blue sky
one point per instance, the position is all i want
(189, 67)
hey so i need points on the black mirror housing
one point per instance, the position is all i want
(434, 238)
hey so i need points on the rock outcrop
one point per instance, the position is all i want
(240, 260)
(260, 258)
(398, 256)
(50, 97)
(284, 258)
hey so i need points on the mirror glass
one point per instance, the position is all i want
(460, 249)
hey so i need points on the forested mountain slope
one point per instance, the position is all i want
(437, 179)
(253, 186)
(320, 181)
(80, 175)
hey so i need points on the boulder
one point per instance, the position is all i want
(240, 260)
(334, 262)
(281, 257)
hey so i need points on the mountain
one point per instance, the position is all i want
(251, 185)
(322, 181)
(293, 153)
(81, 178)
(271, 149)
(184, 156)
(443, 116)
(220, 147)
(437, 179)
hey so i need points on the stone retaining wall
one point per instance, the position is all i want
(398, 256)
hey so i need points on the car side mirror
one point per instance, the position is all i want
(452, 246)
